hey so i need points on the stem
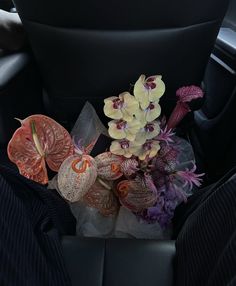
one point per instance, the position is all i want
(36, 139)
(104, 184)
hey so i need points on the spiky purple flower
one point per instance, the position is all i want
(165, 135)
(189, 177)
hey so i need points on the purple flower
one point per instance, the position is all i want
(165, 135)
(154, 212)
(181, 109)
(129, 167)
(189, 93)
(185, 95)
(166, 160)
(149, 183)
(189, 177)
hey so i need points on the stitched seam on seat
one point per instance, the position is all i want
(104, 263)
(219, 20)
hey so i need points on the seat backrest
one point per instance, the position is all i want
(89, 50)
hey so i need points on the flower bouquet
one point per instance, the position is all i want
(134, 182)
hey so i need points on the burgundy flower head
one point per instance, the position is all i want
(189, 93)
(185, 95)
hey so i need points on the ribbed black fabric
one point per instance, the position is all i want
(206, 245)
(32, 219)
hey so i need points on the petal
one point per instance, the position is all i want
(116, 149)
(143, 155)
(135, 149)
(130, 136)
(141, 137)
(158, 91)
(131, 104)
(39, 134)
(133, 126)
(141, 117)
(155, 148)
(154, 113)
(111, 112)
(114, 132)
(144, 103)
(111, 98)
(153, 152)
(127, 153)
(132, 129)
(139, 89)
(155, 132)
(126, 116)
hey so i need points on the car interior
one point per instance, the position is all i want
(57, 55)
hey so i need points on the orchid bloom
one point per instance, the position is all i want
(185, 95)
(149, 131)
(148, 90)
(123, 148)
(120, 129)
(122, 107)
(149, 149)
(149, 114)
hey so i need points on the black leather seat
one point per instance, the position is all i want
(116, 262)
(89, 50)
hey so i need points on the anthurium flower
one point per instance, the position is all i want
(120, 129)
(149, 131)
(38, 141)
(149, 114)
(122, 107)
(149, 149)
(148, 90)
(124, 148)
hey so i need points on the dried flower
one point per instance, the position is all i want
(166, 160)
(120, 129)
(129, 167)
(149, 131)
(148, 90)
(122, 107)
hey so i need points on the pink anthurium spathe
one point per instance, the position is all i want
(39, 141)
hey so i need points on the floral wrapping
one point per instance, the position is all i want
(131, 187)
